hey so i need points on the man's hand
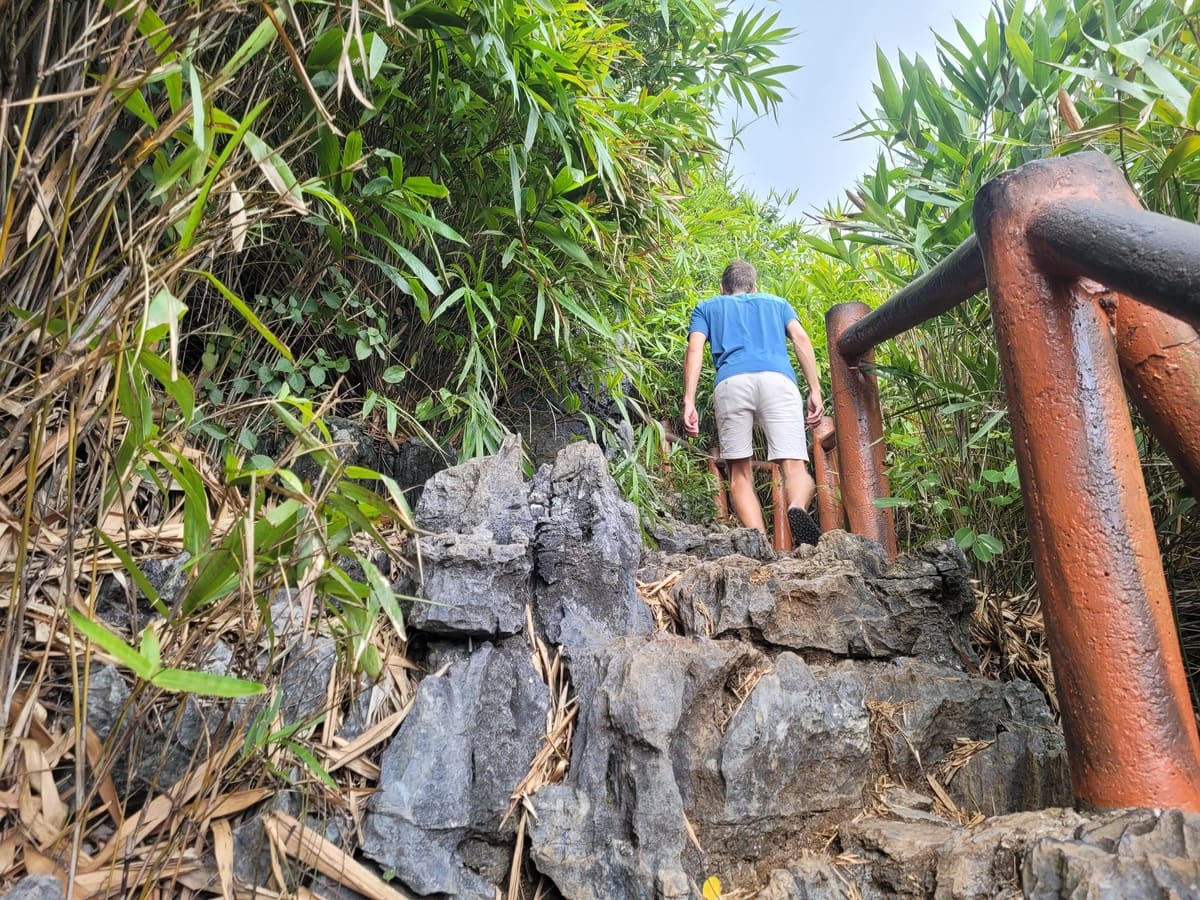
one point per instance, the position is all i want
(691, 418)
(816, 408)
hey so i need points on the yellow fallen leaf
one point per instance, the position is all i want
(712, 888)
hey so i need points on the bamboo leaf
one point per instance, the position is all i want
(197, 210)
(205, 684)
(199, 129)
(150, 649)
(260, 38)
(248, 314)
(133, 571)
(111, 644)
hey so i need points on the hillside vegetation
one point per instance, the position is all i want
(226, 225)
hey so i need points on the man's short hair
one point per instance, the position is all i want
(739, 277)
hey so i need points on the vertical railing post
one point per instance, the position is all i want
(825, 472)
(720, 495)
(860, 433)
(781, 529)
(1131, 735)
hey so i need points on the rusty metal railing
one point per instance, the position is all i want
(1087, 290)
(781, 531)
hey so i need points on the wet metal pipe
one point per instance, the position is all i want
(860, 432)
(1152, 257)
(956, 278)
(1127, 718)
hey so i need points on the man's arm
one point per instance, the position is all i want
(802, 344)
(693, 360)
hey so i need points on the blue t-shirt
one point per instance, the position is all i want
(748, 333)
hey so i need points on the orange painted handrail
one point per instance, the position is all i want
(1087, 291)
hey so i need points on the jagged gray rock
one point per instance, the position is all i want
(674, 537)
(304, 683)
(808, 878)
(1143, 853)
(754, 753)
(106, 698)
(844, 597)
(922, 711)
(796, 746)
(415, 462)
(617, 827)
(474, 587)
(160, 747)
(251, 846)
(475, 566)
(1043, 854)
(447, 776)
(36, 887)
(480, 496)
(587, 550)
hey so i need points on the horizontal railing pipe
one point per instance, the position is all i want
(955, 279)
(1151, 257)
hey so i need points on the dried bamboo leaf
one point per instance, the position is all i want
(312, 849)
(222, 845)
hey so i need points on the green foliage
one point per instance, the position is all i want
(1041, 79)
(462, 193)
(146, 663)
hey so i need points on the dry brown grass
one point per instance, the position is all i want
(84, 249)
(1010, 635)
(549, 764)
(658, 597)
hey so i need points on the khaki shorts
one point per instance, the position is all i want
(769, 399)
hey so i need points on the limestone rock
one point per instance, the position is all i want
(796, 746)
(977, 862)
(808, 878)
(645, 753)
(415, 462)
(587, 551)
(36, 887)
(843, 598)
(674, 537)
(922, 712)
(447, 775)
(485, 496)
(475, 567)
(1041, 854)
(304, 683)
(473, 586)
(159, 746)
(1141, 853)
(903, 854)
(107, 695)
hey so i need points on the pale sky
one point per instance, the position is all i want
(835, 47)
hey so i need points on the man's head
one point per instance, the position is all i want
(739, 277)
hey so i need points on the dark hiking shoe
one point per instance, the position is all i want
(804, 529)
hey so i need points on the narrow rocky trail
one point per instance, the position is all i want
(587, 718)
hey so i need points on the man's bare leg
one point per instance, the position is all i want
(741, 491)
(797, 483)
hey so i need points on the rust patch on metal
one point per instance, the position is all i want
(860, 433)
(825, 470)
